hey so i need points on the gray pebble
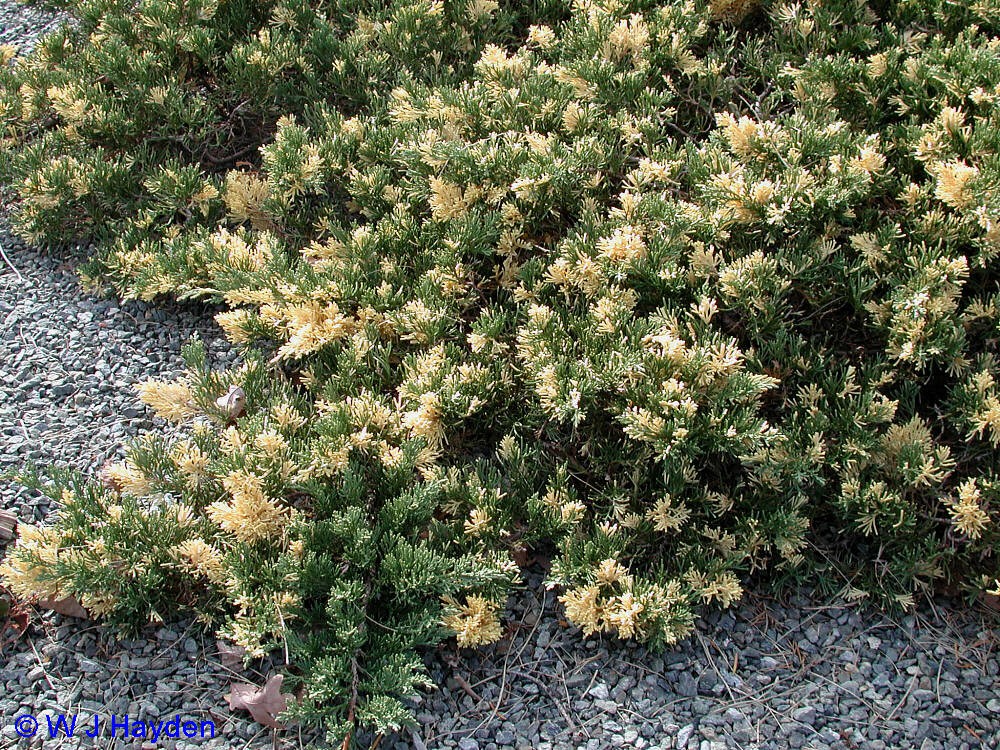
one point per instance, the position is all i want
(684, 734)
(686, 685)
(599, 691)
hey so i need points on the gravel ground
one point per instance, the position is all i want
(768, 674)
(69, 363)
(22, 25)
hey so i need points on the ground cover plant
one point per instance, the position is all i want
(676, 296)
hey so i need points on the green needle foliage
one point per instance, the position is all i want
(677, 292)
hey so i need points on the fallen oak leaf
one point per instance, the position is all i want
(521, 556)
(264, 704)
(232, 403)
(68, 605)
(13, 618)
(18, 621)
(230, 654)
(13, 627)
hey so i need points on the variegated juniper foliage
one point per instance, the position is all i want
(675, 292)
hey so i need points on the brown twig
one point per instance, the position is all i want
(467, 688)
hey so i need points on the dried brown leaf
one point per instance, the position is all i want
(263, 703)
(69, 606)
(230, 654)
